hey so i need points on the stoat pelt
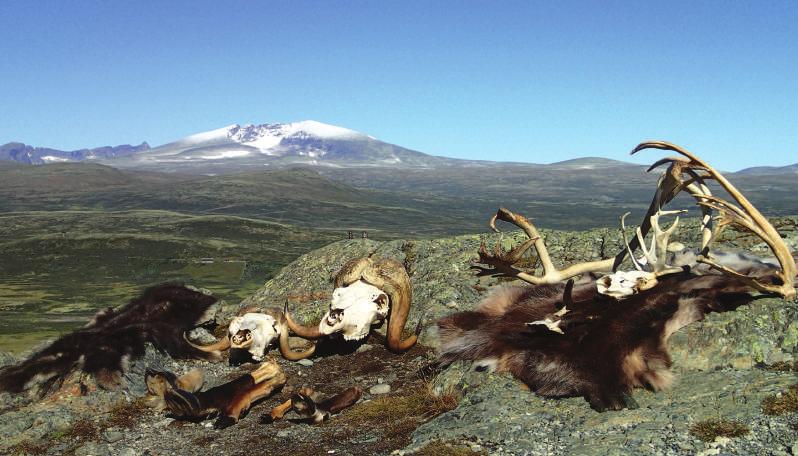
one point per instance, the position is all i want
(227, 401)
(605, 348)
(306, 404)
(107, 344)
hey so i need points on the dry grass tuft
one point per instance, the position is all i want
(28, 447)
(787, 402)
(83, 429)
(421, 404)
(126, 415)
(784, 366)
(710, 429)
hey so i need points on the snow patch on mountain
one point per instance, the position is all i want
(220, 134)
(269, 136)
(226, 154)
(54, 159)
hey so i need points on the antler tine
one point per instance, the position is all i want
(668, 186)
(650, 254)
(522, 222)
(502, 263)
(626, 242)
(660, 240)
(699, 190)
(744, 214)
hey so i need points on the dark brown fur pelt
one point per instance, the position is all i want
(105, 346)
(609, 346)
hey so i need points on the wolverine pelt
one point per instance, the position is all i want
(608, 348)
(105, 346)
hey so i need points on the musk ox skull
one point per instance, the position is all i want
(354, 309)
(367, 291)
(255, 330)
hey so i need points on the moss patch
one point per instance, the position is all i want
(786, 402)
(708, 430)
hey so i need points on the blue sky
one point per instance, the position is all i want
(520, 81)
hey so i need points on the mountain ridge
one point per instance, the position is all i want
(30, 155)
(248, 147)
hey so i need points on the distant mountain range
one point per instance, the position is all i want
(30, 155)
(238, 148)
(770, 170)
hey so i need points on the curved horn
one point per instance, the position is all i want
(285, 346)
(307, 332)
(391, 277)
(352, 271)
(221, 345)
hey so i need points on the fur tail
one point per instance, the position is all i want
(101, 355)
(45, 369)
(181, 403)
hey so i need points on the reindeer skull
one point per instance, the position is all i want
(354, 309)
(623, 284)
(254, 331)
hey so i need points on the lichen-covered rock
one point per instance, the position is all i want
(444, 282)
(763, 332)
(498, 415)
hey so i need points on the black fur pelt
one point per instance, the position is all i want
(608, 347)
(105, 346)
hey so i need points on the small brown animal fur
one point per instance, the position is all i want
(230, 400)
(304, 402)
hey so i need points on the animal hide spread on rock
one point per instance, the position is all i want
(608, 347)
(105, 346)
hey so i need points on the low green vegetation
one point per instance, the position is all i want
(59, 268)
(75, 238)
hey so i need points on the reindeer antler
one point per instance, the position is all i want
(685, 173)
(740, 213)
(502, 263)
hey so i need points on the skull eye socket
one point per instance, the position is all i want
(242, 336)
(336, 314)
(382, 299)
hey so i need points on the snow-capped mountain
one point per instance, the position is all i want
(238, 147)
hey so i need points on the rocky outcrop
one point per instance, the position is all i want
(723, 367)
(715, 360)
